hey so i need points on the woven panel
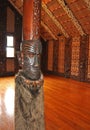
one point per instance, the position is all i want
(88, 75)
(50, 55)
(61, 55)
(75, 56)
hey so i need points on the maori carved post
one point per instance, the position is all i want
(29, 107)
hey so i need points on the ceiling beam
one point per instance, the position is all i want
(49, 31)
(72, 17)
(87, 3)
(15, 6)
(54, 19)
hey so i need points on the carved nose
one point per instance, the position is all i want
(36, 63)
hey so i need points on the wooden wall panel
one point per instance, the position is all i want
(88, 71)
(83, 57)
(50, 55)
(61, 55)
(3, 14)
(75, 56)
(55, 55)
(10, 65)
(70, 57)
(10, 20)
(16, 29)
(67, 65)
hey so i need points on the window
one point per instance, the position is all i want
(10, 47)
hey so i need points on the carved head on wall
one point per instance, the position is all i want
(30, 59)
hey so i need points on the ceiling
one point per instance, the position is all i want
(62, 17)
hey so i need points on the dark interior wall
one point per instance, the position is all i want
(3, 14)
(10, 24)
(70, 57)
(44, 56)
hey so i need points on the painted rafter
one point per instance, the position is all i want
(72, 17)
(49, 31)
(87, 3)
(54, 19)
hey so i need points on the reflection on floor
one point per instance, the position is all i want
(67, 105)
(7, 103)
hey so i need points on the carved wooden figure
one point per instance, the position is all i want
(29, 106)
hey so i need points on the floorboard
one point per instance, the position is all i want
(67, 105)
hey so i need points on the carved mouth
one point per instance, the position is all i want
(34, 75)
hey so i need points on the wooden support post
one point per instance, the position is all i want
(29, 107)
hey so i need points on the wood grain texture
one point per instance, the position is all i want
(55, 55)
(61, 55)
(67, 105)
(50, 55)
(67, 58)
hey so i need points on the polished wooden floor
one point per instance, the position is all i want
(67, 105)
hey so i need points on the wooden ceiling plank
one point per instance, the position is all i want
(87, 3)
(49, 31)
(72, 17)
(54, 20)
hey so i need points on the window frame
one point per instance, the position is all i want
(10, 47)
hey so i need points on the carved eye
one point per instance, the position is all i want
(31, 55)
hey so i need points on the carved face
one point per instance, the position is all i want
(31, 60)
